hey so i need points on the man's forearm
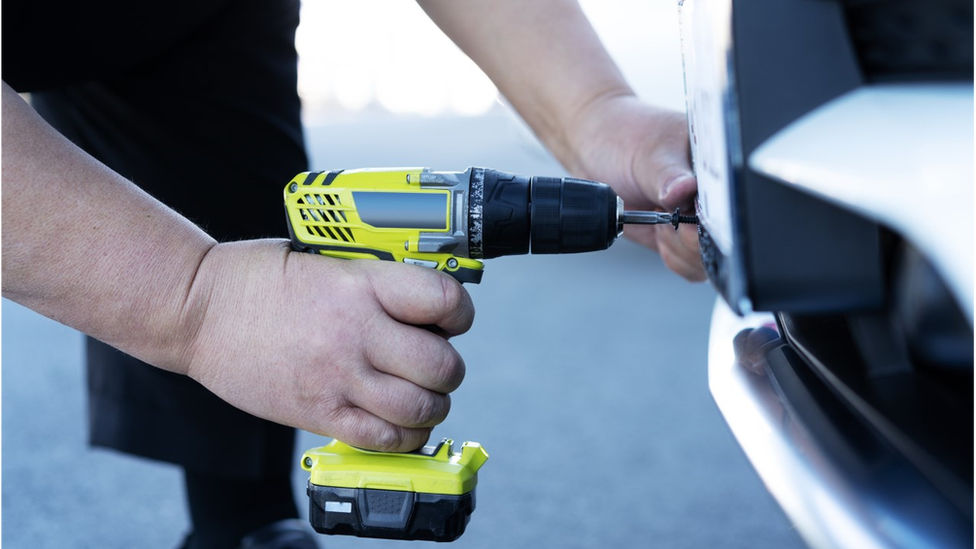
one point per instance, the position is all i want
(544, 57)
(86, 247)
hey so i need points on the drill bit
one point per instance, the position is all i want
(657, 218)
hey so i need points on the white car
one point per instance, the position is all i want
(833, 144)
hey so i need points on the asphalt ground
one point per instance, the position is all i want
(586, 382)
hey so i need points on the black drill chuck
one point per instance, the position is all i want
(512, 214)
(572, 215)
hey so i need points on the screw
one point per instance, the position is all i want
(452, 263)
(293, 187)
(308, 462)
(676, 218)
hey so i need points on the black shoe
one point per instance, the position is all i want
(284, 534)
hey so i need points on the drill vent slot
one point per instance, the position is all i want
(325, 217)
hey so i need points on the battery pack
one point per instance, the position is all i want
(424, 495)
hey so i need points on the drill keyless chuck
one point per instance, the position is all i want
(512, 214)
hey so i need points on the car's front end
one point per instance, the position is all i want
(833, 143)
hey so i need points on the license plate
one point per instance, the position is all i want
(706, 46)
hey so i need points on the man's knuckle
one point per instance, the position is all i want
(444, 368)
(349, 426)
(389, 438)
(452, 370)
(425, 410)
(430, 409)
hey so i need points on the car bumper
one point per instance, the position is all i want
(839, 486)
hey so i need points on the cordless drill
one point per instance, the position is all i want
(448, 221)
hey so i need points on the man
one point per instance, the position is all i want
(196, 104)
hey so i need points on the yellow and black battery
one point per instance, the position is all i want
(428, 494)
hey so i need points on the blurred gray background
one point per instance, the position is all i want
(586, 374)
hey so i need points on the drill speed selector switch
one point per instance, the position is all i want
(423, 495)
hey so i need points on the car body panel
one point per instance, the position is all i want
(904, 159)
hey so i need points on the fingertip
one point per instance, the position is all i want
(679, 190)
(696, 275)
(456, 309)
(692, 268)
(678, 260)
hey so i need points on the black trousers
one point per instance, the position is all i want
(196, 102)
